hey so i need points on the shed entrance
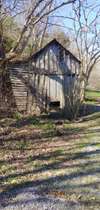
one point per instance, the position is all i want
(54, 104)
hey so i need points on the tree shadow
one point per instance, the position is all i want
(67, 160)
(47, 185)
(89, 109)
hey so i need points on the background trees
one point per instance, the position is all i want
(34, 15)
(86, 36)
(31, 32)
(25, 26)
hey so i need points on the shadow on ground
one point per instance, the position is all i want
(60, 186)
(63, 185)
(49, 157)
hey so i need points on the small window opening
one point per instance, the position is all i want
(71, 74)
(54, 104)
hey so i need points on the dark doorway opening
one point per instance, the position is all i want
(54, 104)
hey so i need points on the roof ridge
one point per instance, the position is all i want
(49, 43)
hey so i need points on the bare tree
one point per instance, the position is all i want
(86, 30)
(85, 35)
(34, 13)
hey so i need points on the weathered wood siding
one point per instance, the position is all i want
(50, 76)
(60, 71)
(55, 60)
(20, 75)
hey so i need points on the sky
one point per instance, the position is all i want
(67, 24)
(67, 12)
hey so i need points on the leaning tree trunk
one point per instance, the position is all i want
(7, 100)
(2, 89)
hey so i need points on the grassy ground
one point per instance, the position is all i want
(92, 96)
(59, 157)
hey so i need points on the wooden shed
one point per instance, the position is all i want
(48, 80)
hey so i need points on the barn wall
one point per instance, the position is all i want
(55, 59)
(61, 76)
(50, 77)
(47, 89)
(20, 75)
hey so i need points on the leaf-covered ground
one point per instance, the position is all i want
(56, 157)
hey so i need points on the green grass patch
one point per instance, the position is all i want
(48, 126)
(92, 95)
